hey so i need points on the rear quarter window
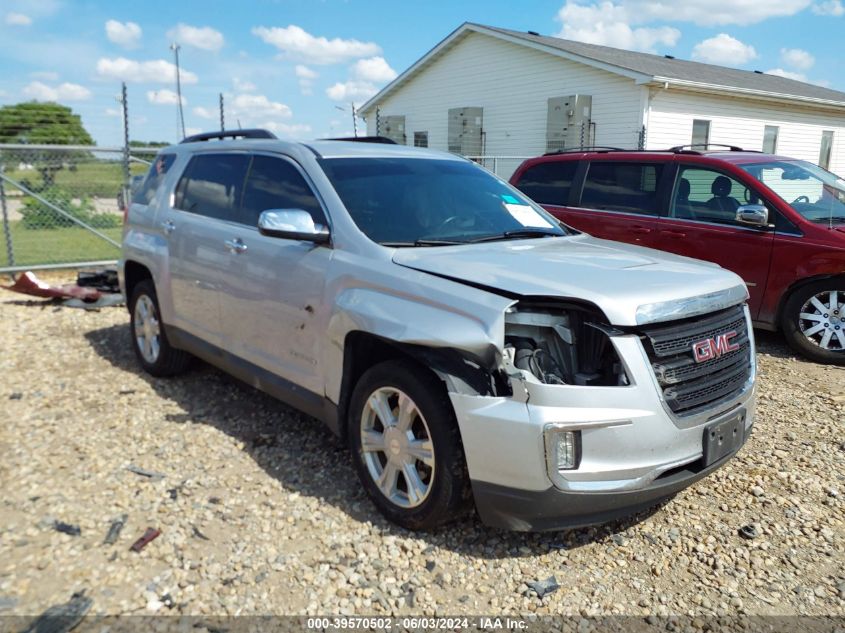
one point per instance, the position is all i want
(154, 179)
(548, 183)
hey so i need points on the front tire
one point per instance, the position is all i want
(814, 321)
(149, 339)
(406, 446)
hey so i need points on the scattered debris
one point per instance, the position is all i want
(748, 532)
(115, 529)
(544, 587)
(429, 565)
(174, 493)
(67, 528)
(62, 618)
(75, 295)
(619, 539)
(215, 500)
(199, 534)
(15, 396)
(150, 474)
(150, 535)
(105, 280)
(127, 392)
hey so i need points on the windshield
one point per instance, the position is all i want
(813, 192)
(427, 202)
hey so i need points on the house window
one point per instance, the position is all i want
(701, 132)
(827, 147)
(420, 139)
(770, 139)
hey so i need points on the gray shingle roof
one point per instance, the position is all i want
(680, 69)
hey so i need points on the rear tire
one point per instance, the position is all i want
(406, 446)
(149, 338)
(813, 321)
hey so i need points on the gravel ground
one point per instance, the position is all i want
(260, 511)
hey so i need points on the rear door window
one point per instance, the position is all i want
(212, 185)
(549, 183)
(275, 183)
(628, 187)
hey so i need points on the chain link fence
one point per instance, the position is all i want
(60, 203)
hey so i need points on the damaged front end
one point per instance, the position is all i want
(561, 345)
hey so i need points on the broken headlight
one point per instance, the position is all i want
(562, 345)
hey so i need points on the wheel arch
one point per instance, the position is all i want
(795, 287)
(133, 273)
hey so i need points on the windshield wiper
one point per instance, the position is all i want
(517, 234)
(422, 242)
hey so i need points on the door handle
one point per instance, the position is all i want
(640, 230)
(168, 227)
(673, 233)
(236, 246)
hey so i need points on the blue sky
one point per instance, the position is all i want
(290, 64)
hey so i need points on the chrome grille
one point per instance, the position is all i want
(689, 386)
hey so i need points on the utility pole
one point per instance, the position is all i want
(378, 121)
(175, 48)
(124, 108)
(222, 122)
(354, 120)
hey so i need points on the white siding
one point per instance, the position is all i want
(512, 83)
(741, 122)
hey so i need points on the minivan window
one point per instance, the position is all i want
(155, 177)
(548, 183)
(274, 183)
(212, 185)
(426, 202)
(708, 196)
(629, 187)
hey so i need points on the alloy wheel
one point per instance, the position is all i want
(822, 320)
(397, 447)
(147, 329)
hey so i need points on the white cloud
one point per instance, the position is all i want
(723, 49)
(296, 42)
(164, 97)
(113, 112)
(797, 58)
(242, 85)
(259, 106)
(190, 131)
(303, 72)
(609, 24)
(202, 37)
(829, 7)
(125, 34)
(374, 69)
(294, 130)
(46, 75)
(18, 19)
(63, 92)
(205, 113)
(356, 91)
(153, 71)
(780, 72)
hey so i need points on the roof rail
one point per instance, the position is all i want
(588, 148)
(207, 136)
(682, 149)
(364, 139)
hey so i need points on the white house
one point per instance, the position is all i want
(486, 91)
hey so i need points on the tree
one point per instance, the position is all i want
(42, 123)
(34, 123)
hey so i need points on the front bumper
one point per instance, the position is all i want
(634, 451)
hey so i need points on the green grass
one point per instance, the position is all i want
(57, 246)
(94, 178)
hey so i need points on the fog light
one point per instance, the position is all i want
(563, 448)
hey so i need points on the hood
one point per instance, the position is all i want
(632, 285)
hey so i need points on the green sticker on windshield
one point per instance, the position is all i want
(509, 199)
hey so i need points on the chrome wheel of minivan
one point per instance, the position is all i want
(147, 329)
(822, 320)
(397, 447)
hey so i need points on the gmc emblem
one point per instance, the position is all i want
(711, 348)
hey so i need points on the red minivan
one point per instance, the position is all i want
(777, 222)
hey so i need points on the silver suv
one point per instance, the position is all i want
(470, 348)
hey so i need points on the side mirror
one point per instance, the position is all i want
(292, 224)
(753, 215)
